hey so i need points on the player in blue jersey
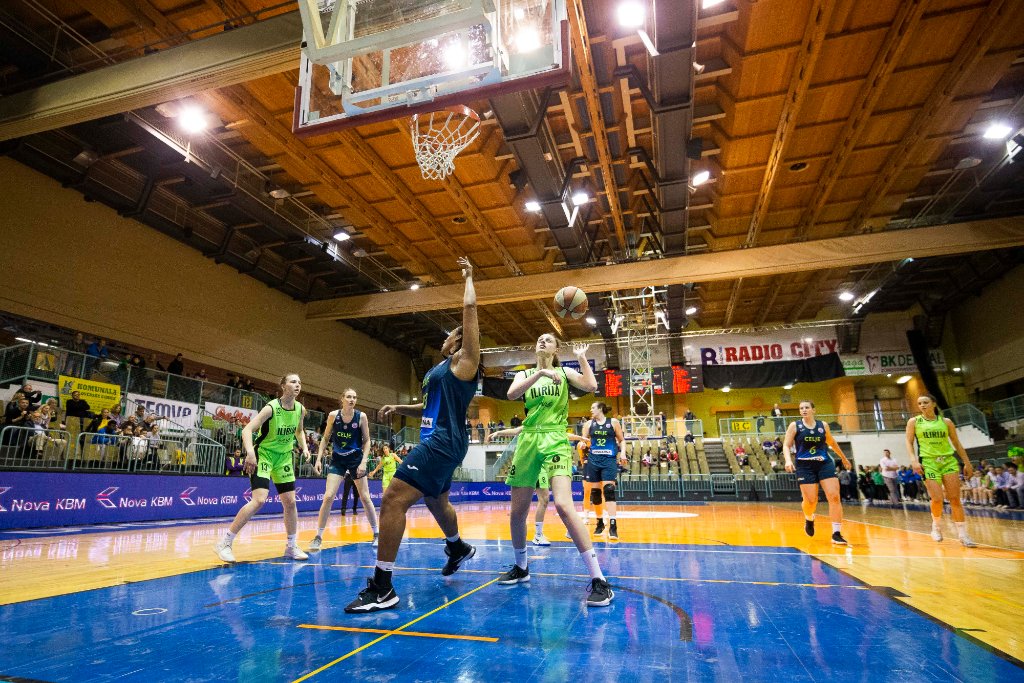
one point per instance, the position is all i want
(427, 470)
(815, 466)
(602, 469)
(348, 432)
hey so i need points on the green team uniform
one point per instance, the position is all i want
(274, 443)
(543, 451)
(938, 457)
(388, 465)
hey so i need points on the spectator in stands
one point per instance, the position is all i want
(579, 426)
(769, 448)
(78, 408)
(140, 413)
(480, 431)
(99, 421)
(1014, 481)
(201, 375)
(233, 463)
(34, 396)
(152, 434)
(846, 487)
(778, 419)
(688, 437)
(96, 353)
(741, 456)
(890, 473)
(73, 360)
(176, 366)
(52, 411)
(878, 483)
(232, 380)
(673, 455)
(107, 435)
(515, 422)
(864, 483)
(908, 481)
(646, 459)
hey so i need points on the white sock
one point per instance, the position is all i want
(521, 561)
(936, 522)
(228, 537)
(452, 539)
(961, 528)
(540, 528)
(385, 566)
(590, 557)
(321, 530)
(291, 540)
(809, 519)
(837, 527)
(373, 527)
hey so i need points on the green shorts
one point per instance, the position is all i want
(385, 478)
(540, 457)
(276, 466)
(936, 468)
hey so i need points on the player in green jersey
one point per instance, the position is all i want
(269, 456)
(389, 462)
(935, 460)
(544, 448)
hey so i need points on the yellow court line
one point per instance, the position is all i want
(390, 633)
(421, 634)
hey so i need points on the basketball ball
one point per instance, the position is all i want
(571, 301)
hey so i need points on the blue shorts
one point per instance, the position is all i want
(345, 463)
(430, 468)
(814, 471)
(595, 473)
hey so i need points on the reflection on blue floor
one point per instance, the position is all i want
(722, 613)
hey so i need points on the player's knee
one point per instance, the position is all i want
(595, 495)
(609, 493)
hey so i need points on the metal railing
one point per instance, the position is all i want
(1009, 409)
(967, 414)
(34, 448)
(762, 426)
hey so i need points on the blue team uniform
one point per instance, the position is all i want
(813, 463)
(346, 445)
(443, 437)
(602, 463)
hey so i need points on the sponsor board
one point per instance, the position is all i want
(178, 412)
(787, 345)
(885, 362)
(219, 411)
(99, 395)
(44, 499)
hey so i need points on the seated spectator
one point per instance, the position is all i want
(201, 375)
(152, 434)
(233, 463)
(741, 456)
(778, 445)
(107, 435)
(769, 448)
(52, 411)
(99, 421)
(1001, 479)
(1014, 487)
(18, 413)
(688, 438)
(673, 456)
(646, 459)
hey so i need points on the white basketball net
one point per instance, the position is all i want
(438, 137)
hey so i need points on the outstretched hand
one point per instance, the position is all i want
(579, 349)
(467, 267)
(385, 412)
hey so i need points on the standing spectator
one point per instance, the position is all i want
(890, 472)
(878, 482)
(233, 381)
(846, 488)
(759, 421)
(96, 352)
(515, 422)
(690, 420)
(73, 359)
(663, 422)
(176, 366)
(201, 375)
(480, 431)
(579, 426)
(777, 418)
(34, 396)
(469, 431)
(76, 412)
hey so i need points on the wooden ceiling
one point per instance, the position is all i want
(818, 119)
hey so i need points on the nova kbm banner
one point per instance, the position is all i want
(784, 345)
(184, 414)
(99, 395)
(43, 499)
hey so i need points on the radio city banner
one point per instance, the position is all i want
(219, 411)
(782, 346)
(886, 362)
(60, 499)
(179, 412)
(99, 395)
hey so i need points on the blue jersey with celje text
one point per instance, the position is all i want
(346, 435)
(445, 403)
(604, 449)
(810, 441)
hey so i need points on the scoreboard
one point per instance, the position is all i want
(677, 379)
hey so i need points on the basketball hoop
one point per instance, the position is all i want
(438, 137)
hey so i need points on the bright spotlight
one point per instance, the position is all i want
(787, 387)
(957, 369)
(527, 40)
(342, 236)
(997, 130)
(701, 178)
(691, 310)
(591, 320)
(726, 390)
(192, 119)
(630, 14)
(532, 206)
(455, 55)
(904, 379)
(846, 296)
(580, 198)
(414, 286)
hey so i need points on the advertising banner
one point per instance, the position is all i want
(99, 395)
(783, 345)
(886, 362)
(179, 412)
(219, 411)
(43, 499)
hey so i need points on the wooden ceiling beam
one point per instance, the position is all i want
(720, 266)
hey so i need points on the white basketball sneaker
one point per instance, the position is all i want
(936, 534)
(293, 552)
(224, 552)
(541, 539)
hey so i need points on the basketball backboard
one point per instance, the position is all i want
(373, 60)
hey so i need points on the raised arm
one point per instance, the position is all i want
(407, 409)
(502, 433)
(522, 382)
(466, 362)
(584, 380)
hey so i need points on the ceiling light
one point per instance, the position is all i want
(787, 387)
(997, 130)
(455, 55)
(414, 286)
(711, 3)
(580, 198)
(904, 379)
(846, 296)
(527, 40)
(808, 340)
(532, 206)
(957, 369)
(192, 119)
(726, 389)
(691, 310)
(888, 374)
(342, 236)
(630, 14)
(280, 193)
(591, 320)
(359, 252)
(701, 178)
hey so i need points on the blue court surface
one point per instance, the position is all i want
(681, 613)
